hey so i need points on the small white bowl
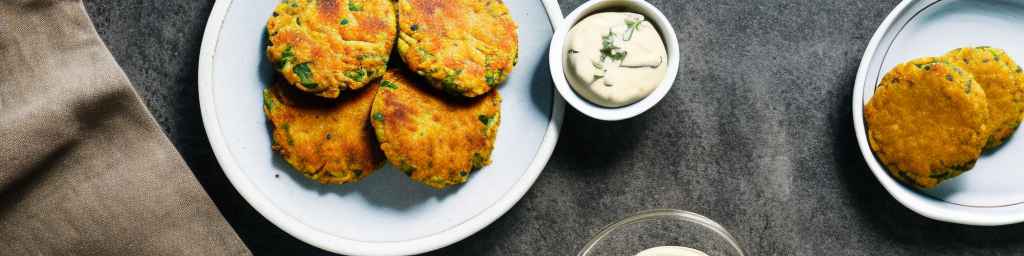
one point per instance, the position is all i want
(558, 48)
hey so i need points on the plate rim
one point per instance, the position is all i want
(915, 201)
(322, 240)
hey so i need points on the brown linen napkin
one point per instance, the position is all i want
(84, 168)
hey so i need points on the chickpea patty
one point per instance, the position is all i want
(927, 121)
(328, 46)
(1003, 82)
(464, 47)
(327, 140)
(436, 139)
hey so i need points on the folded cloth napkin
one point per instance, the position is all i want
(84, 168)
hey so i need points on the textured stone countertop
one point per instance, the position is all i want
(756, 134)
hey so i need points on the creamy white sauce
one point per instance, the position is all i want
(671, 251)
(615, 58)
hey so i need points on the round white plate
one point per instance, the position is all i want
(385, 214)
(993, 192)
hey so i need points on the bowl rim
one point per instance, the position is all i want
(556, 62)
(915, 201)
(654, 214)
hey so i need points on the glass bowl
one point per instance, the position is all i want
(662, 227)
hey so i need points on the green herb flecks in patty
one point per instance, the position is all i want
(449, 82)
(486, 120)
(286, 57)
(357, 75)
(353, 6)
(492, 76)
(305, 75)
(478, 161)
(288, 134)
(406, 168)
(388, 84)
(424, 53)
(371, 57)
(268, 101)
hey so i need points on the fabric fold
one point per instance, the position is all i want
(84, 167)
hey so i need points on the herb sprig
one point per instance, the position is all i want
(632, 25)
(609, 50)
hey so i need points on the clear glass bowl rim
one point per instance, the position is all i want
(655, 214)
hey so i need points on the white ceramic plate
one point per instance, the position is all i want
(993, 192)
(385, 214)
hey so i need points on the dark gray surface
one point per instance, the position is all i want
(756, 134)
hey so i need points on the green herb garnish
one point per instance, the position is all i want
(631, 27)
(344, 21)
(378, 116)
(609, 50)
(599, 66)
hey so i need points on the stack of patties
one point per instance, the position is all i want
(435, 112)
(931, 118)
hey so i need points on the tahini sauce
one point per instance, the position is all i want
(671, 251)
(615, 58)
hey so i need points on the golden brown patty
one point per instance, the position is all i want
(430, 136)
(1003, 84)
(465, 47)
(327, 46)
(329, 141)
(927, 121)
